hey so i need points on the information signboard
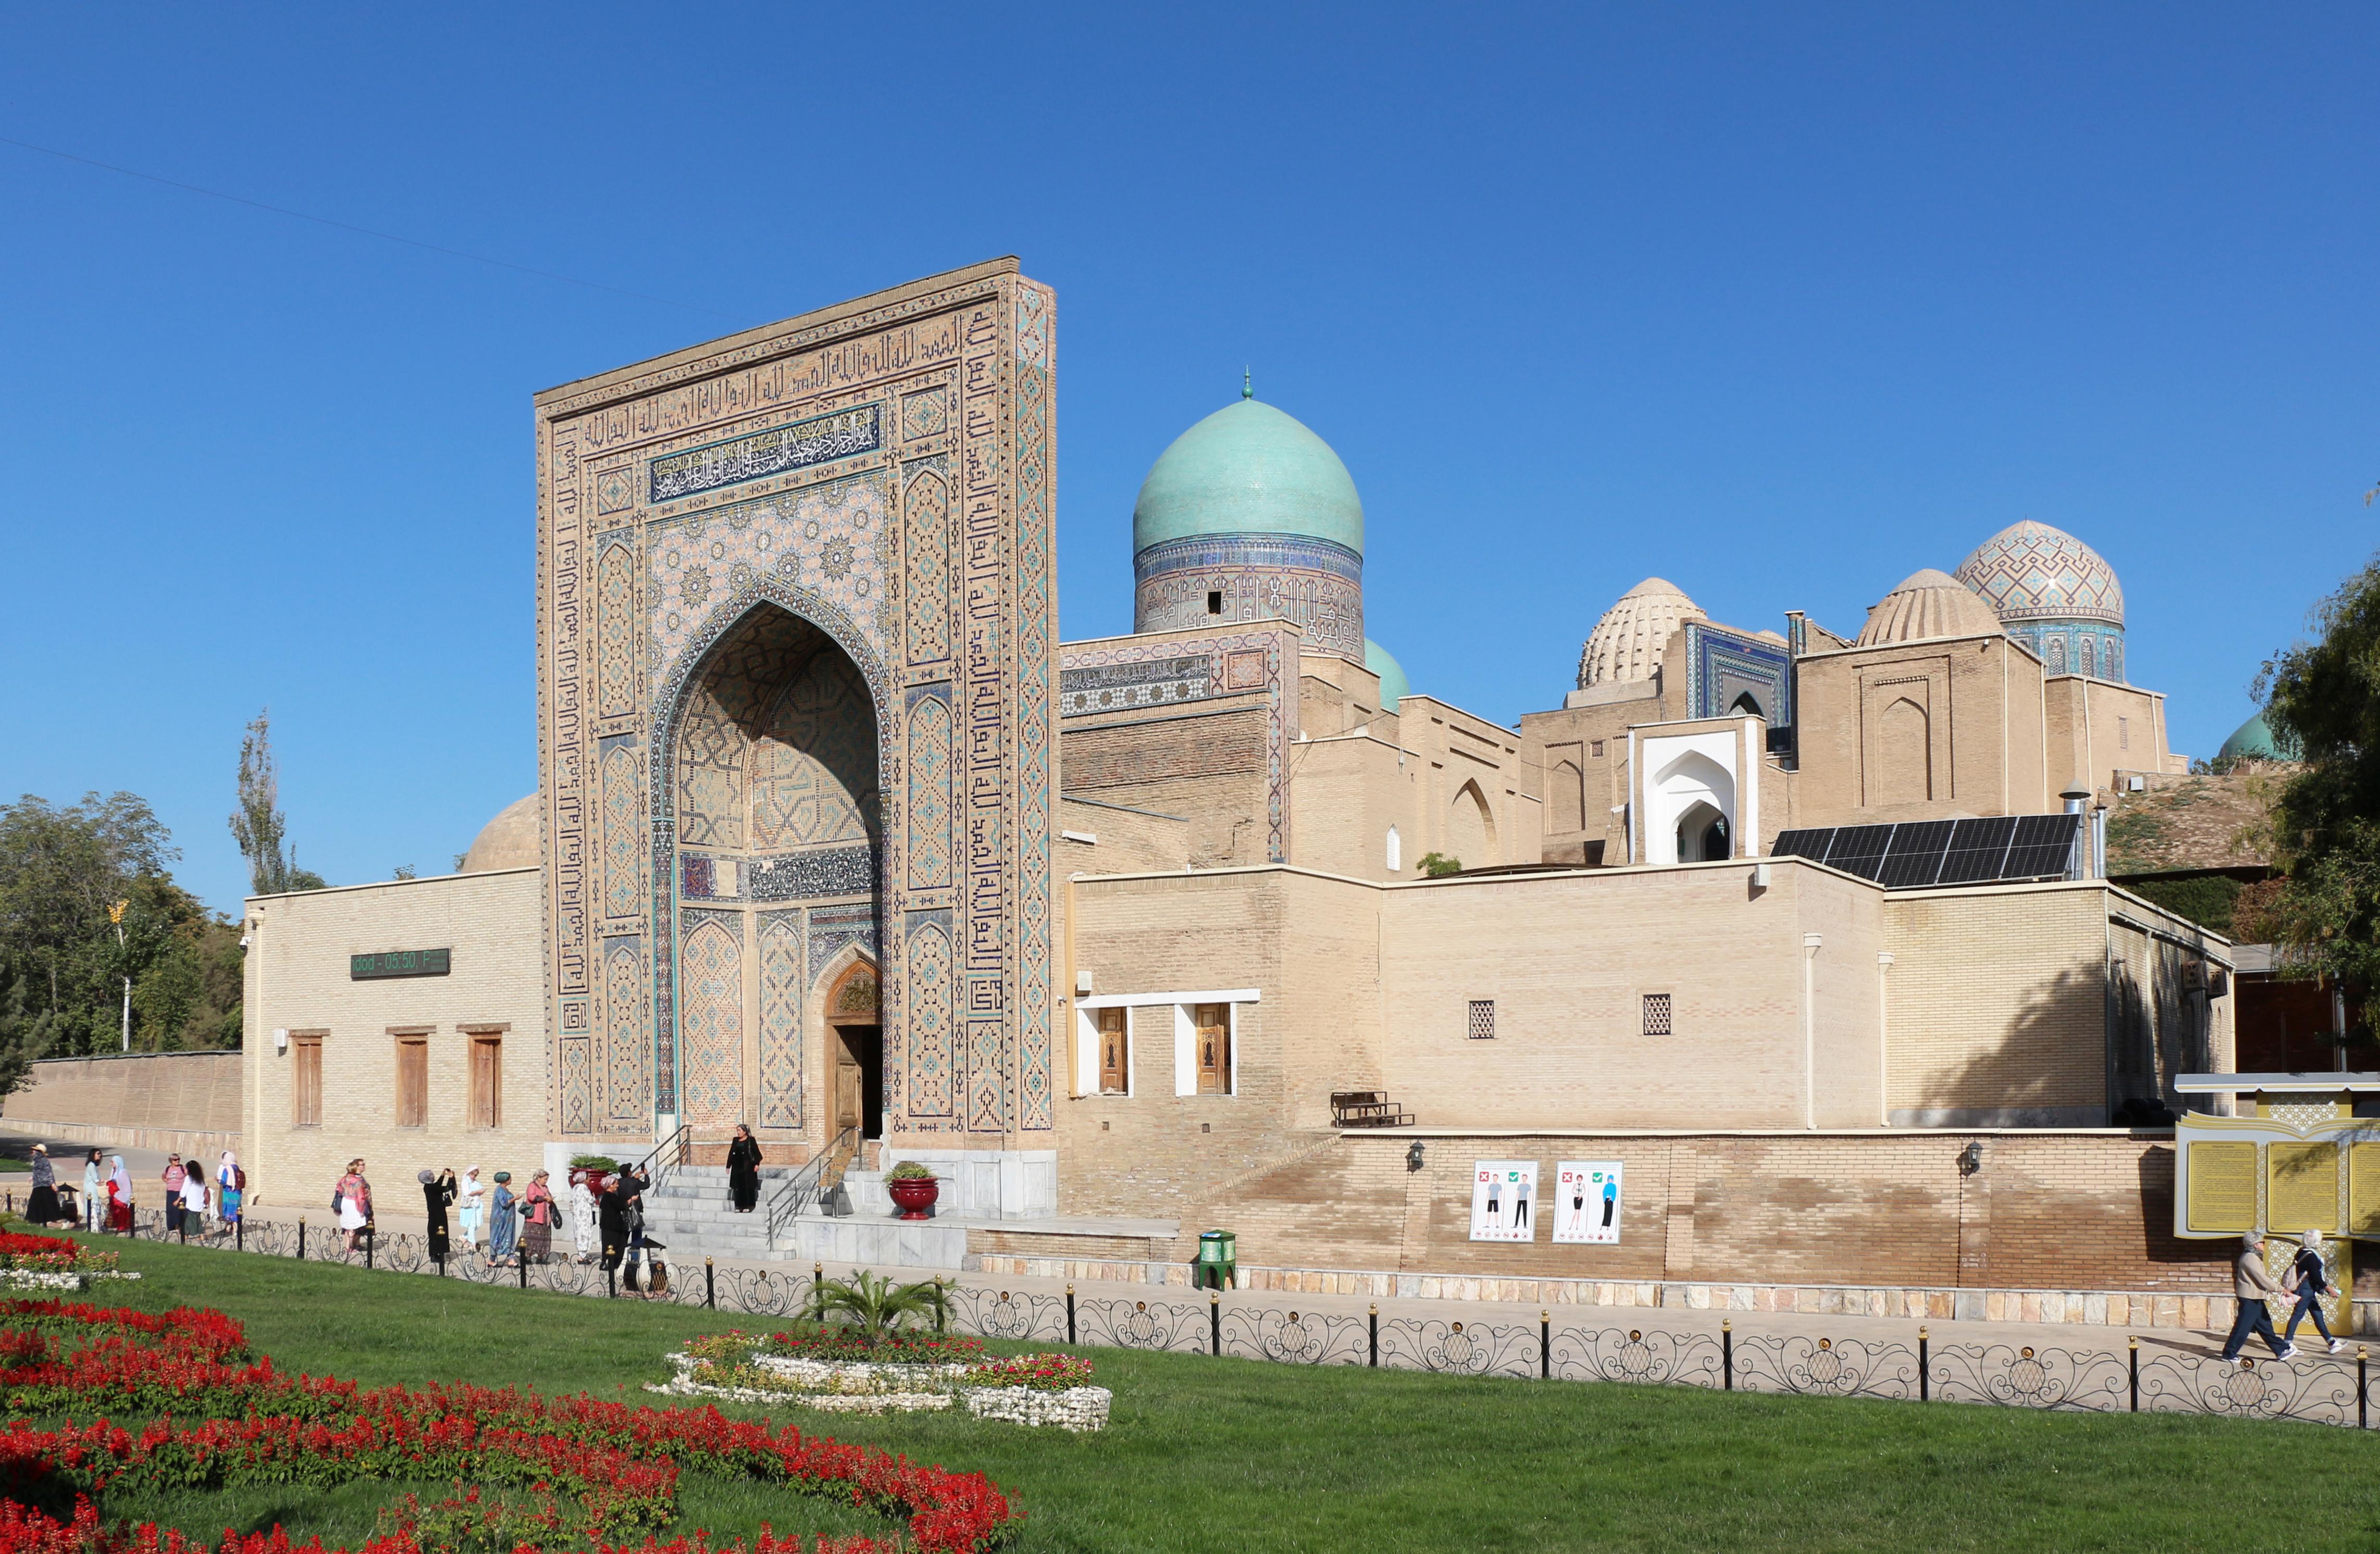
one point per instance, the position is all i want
(1503, 1200)
(400, 963)
(1586, 1203)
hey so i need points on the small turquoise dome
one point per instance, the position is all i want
(2254, 739)
(1248, 469)
(1394, 687)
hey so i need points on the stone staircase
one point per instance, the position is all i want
(692, 1216)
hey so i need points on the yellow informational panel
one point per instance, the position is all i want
(2303, 1191)
(2364, 1189)
(2222, 1186)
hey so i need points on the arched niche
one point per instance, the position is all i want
(1689, 780)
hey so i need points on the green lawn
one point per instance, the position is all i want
(1242, 1456)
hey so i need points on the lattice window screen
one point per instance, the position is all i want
(1657, 1013)
(1483, 1019)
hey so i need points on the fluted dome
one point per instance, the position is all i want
(1626, 643)
(1394, 687)
(2032, 572)
(1248, 469)
(2056, 595)
(507, 841)
(1928, 604)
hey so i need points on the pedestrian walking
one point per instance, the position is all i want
(194, 1198)
(503, 1222)
(42, 1207)
(586, 1218)
(173, 1177)
(473, 1204)
(119, 1196)
(436, 1193)
(94, 1194)
(354, 1201)
(2309, 1279)
(744, 1169)
(612, 1221)
(537, 1233)
(2251, 1284)
(231, 1191)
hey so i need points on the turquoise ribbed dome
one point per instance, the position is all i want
(1248, 469)
(1394, 687)
(2255, 739)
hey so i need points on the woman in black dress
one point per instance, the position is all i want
(744, 1169)
(611, 1220)
(42, 1208)
(437, 1192)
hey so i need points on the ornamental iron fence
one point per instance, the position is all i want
(2085, 1380)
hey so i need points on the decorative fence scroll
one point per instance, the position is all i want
(2007, 1375)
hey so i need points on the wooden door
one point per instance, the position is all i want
(412, 1081)
(850, 1086)
(306, 1081)
(1115, 1053)
(1213, 1042)
(487, 1078)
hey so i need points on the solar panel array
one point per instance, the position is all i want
(1916, 854)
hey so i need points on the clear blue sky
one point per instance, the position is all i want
(1780, 303)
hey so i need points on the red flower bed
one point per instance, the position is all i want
(230, 1421)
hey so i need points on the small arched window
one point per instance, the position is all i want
(1396, 851)
(1747, 703)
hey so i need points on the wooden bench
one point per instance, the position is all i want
(1367, 1108)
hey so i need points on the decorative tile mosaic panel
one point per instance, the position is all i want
(1722, 666)
(930, 787)
(781, 1020)
(624, 829)
(835, 929)
(1313, 582)
(929, 972)
(625, 1040)
(931, 594)
(1113, 688)
(615, 649)
(714, 959)
(805, 876)
(779, 451)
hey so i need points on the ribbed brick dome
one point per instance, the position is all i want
(1626, 643)
(1930, 604)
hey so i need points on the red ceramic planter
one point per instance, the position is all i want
(913, 1196)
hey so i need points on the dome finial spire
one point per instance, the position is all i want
(1247, 384)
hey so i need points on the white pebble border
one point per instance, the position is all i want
(46, 1279)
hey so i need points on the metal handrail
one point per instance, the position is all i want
(653, 1167)
(805, 1186)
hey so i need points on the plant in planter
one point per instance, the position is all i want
(914, 1189)
(875, 1306)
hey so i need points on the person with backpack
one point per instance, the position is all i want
(2310, 1282)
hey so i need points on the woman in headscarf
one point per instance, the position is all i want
(435, 1196)
(503, 1222)
(95, 1194)
(611, 1220)
(42, 1208)
(355, 1205)
(231, 1191)
(537, 1235)
(119, 1195)
(586, 1213)
(744, 1169)
(473, 1192)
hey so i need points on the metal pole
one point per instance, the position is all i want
(441, 1266)
(369, 1239)
(1545, 1345)
(520, 1261)
(1925, 1368)
(710, 1284)
(611, 1273)
(1727, 1354)
(1215, 1321)
(301, 1238)
(239, 1234)
(1070, 1313)
(2363, 1393)
(1375, 1359)
(2132, 1369)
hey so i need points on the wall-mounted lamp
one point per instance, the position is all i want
(281, 1041)
(1413, 1154)
(1082, 982)
(1971, 1159)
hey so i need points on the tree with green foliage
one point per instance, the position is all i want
(258, 824)
(63, 963)
(2324, 696)
(1438, 866)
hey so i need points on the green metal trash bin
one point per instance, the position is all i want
(1218, 1260)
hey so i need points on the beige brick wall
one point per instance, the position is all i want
(298, 980)
(195, 1092)
(2050, 1211)
(1208, 768)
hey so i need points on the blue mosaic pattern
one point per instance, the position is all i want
(805, 876)
(1317, 583)
(1116, 686)
(779, 451)
(1722, 666)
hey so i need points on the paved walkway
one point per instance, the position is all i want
(2072, 1338)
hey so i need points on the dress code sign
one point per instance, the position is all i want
(1586, 1203)
(1502, 1192)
